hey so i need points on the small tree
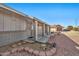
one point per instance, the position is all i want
(70, 28)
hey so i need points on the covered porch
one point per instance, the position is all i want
(40, 30)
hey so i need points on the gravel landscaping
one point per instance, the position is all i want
(28, 48)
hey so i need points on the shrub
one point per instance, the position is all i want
(70, 28)
(75, 29)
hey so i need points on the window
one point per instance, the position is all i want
(33, 26)
(11, 23)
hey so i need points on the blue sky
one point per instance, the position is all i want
(51, 13)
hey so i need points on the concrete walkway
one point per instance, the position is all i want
(65, 46)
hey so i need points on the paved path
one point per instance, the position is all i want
(73, 35)
(65, 46)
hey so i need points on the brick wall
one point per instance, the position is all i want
(9, 32)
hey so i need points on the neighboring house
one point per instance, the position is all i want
(59, 27)
(55, 28)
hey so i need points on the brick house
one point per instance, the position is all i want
(15, 26)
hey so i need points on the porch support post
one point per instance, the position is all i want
(36, 30)
(48, 29)
(44, 29)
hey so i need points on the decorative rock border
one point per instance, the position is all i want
(36, 52)
(5, 53)
(31, 51)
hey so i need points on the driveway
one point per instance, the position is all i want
(65, 46)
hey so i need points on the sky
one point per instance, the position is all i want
(64, 14)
